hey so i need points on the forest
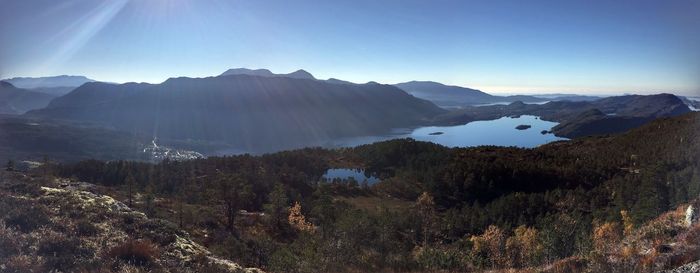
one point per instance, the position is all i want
(436, 208)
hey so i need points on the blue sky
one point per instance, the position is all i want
(498, 46)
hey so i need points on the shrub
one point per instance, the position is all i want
(9, 241)
(438, 259)
(86, 228)
(139, 253)
(284, 260)
(61, 253)
(30, 189)
(160, 232)
(25, 216)
(22, 263)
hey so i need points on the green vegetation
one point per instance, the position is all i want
(466, 209)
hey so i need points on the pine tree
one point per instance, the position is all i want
(277, 206)
(235, 193)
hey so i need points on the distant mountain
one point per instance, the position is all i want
(453, 96)
(337, 81)
(251, 113)
(569, 97)
(55, 86)
(299, 74)
(444, 94)
(49, 82)
(581, 118)
(16, 101)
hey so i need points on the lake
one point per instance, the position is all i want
(345, 174)
(499, 132)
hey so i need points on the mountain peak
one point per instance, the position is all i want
(246, 71)
(300, 74)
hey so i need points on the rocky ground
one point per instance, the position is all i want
(52, 226)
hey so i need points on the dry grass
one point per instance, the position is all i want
(138, 253)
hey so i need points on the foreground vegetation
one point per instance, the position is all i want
(47, 229)
(583, 205)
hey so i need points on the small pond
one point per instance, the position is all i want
(346, 174)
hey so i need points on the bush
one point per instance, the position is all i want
(438, 259)
(139, 253)
(86, 228)
(61, 253)
(22, 263)
(9, 241)
(284, 260)
(160, 232)
(25, 216)
(30, 189)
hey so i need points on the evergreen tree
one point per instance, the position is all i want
(277, 207)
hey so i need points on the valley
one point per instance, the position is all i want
(212, 116)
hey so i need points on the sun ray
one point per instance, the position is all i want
(79, 33)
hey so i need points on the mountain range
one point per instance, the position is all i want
(44, 82)
(245, 110)
(457, 96)
(249, 112)
(299, 74)
(581, 118)
(17, 101)
(55, 86)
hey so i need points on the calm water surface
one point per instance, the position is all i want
(499, 132)
(344, 174)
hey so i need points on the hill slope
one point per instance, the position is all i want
(44, 229)
(581, 118)
(450, 96)
(16, 101)
(252, 113)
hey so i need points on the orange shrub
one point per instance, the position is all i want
(141, 253)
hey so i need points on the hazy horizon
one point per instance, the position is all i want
(596, 47)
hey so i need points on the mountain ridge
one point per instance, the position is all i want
(298, 111)
(49, 82)
(457, 96)
(298, 74)
(17, 101)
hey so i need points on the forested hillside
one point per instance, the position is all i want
(436, 208)
(250, 113)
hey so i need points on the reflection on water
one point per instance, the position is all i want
(499, 132)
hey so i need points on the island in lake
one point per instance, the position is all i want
(523, 127)
(436, 133)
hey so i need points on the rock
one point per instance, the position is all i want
(693, 267)
(691, 215)
(523, 127)
(544, 132)
(436, 133)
